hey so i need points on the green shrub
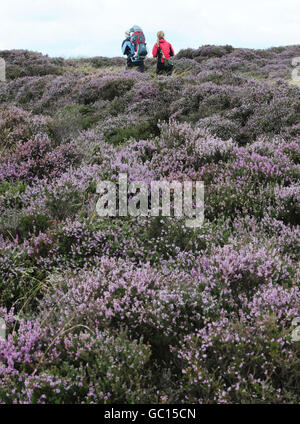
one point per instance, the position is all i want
(21, 225)
(16, 276)
(71, 119)
(11, 192)
(140, 131)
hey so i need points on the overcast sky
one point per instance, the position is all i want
(96, 27)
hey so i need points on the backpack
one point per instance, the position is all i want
(168, 62)
(138, 41)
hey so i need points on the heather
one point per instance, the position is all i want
(140, 309)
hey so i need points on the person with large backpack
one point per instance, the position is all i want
(163, 51)
(134, 47)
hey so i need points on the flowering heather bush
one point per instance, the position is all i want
(88, 367)
(18, 125)
(26, 91)
(249, 109)
(271, 63)
(38, 156)
(145, 310)
(21, 63)
(237, 360)
(93, 88)
(97, 62)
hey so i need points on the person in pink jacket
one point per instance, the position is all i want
(163, 51)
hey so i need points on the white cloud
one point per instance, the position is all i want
(96, 27)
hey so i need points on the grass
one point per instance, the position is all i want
(294, 82)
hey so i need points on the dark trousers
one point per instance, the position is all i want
(163, 68)
(139, 65)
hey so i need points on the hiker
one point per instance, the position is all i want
(163, 51)
(134, 47)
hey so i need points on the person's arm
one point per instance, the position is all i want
(124, 45)
(126, 48)
(154, 51)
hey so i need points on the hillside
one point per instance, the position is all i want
(146, 310)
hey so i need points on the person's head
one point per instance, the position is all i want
(160, 36)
